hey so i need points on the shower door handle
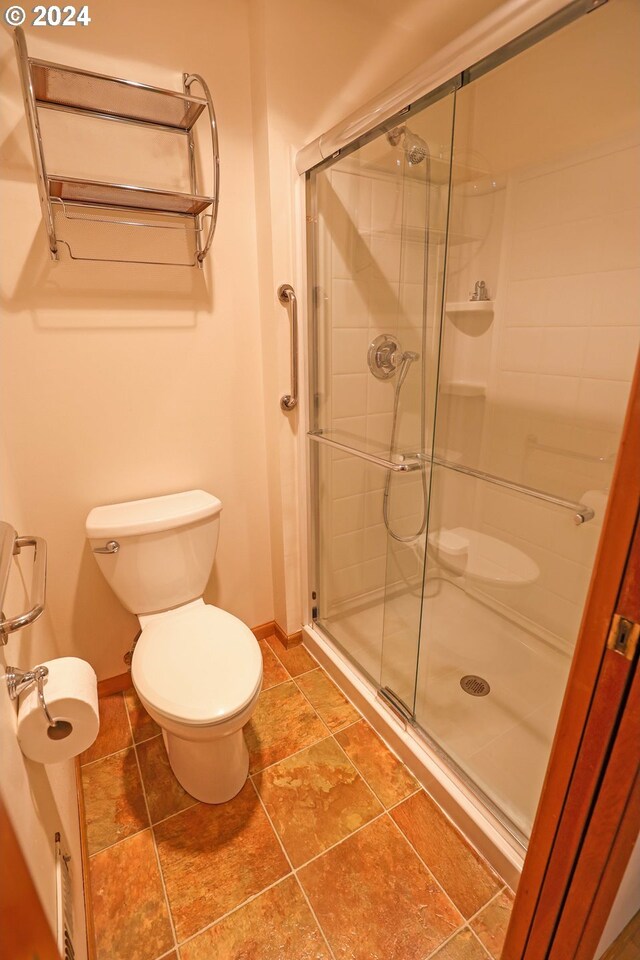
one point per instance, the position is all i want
(287, 297)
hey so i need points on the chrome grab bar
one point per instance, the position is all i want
(405, 466)
(582, 513)
(10, 545)
(287, 297)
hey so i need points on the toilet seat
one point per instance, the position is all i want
(198, 666)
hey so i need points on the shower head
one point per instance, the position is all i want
(415, 148)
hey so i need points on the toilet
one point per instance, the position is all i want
(196, 668)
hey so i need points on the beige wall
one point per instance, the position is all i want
(122, 381)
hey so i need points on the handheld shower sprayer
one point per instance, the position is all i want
(386, 358)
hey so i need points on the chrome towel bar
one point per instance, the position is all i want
(287, 297)
(10, 545)
(404, 466)
(581, 512)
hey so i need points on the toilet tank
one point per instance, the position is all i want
(166, 547)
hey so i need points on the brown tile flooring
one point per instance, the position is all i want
(331, 851)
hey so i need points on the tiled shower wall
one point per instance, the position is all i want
(373, 228)
(557, 246)
(557, 359)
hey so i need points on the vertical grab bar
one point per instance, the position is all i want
(287, 297)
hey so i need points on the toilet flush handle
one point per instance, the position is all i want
(111, 547)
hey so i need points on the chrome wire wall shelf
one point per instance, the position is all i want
(53, 86)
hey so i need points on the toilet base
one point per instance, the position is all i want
(212, 771)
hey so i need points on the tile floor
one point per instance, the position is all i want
(331, 851)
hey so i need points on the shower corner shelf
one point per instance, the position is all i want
(463, 388)
(58, 87)
(480, 309)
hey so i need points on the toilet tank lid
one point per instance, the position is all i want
(152, 515)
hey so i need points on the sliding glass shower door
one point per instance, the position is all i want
(476, 283)
(533, 387)
(379, 231)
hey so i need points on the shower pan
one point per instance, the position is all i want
(472, 342)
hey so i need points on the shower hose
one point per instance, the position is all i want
(407, 358)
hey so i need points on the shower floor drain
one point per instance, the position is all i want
(476, 686)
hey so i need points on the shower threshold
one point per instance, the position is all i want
(496, 838)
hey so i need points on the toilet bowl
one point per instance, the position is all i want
(196, 668)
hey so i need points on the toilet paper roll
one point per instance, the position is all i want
(71, 695)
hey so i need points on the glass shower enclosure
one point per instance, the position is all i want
(474, 268)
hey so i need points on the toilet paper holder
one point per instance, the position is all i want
(19, 680)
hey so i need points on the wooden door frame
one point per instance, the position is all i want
(554, 898)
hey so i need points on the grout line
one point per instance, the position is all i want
(452, 824)
(434, 953)
(155, 845)
(288, 679)
(477, 939)
(477, 914)
(398, 803)
(118, 842)
(115, 753)
(254, 773)
(293, 869)
(229, 913)
(305, 673)
(283, 664)
(429, 871)
(195, 803)
(134, 743)
(315, 917)
(360, 774)
(147, 739)
(467, 924)
(485, 905)
(339, 842)
(371, 788)
(353, 722)
(274, 685)
(305, 695)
